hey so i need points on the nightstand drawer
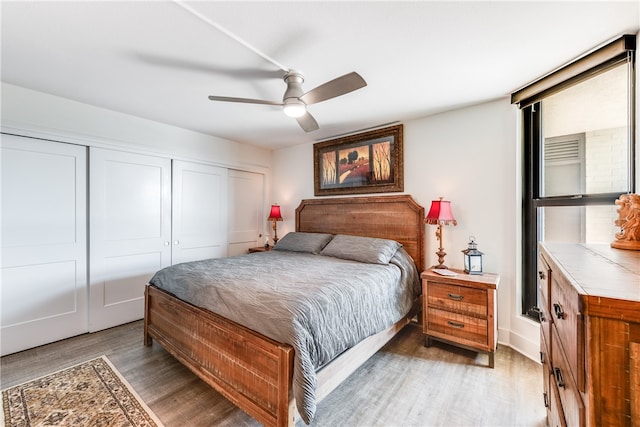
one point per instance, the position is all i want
(460, 299)
(260, 249)
(457, 327)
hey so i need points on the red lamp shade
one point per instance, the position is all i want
(275, 214)
(440, 213)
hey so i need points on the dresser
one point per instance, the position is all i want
(461, 310)
(590, 334)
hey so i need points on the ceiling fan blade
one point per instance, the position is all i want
(307, 122)
(243, 100)
(336, 87)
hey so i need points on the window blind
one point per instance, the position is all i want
(596, 61)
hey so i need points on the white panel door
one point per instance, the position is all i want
(44, 242)
(130, 232)
(199, 222)
(246, 215)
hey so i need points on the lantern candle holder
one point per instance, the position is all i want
(472, 258)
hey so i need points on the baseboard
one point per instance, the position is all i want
(520, 343)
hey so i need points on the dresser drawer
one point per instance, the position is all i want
(545, 352)
(458, 327)
(555, 414)
(545, 325)
(567, 320)
(573, 408)
(461, 299)
(544, 282)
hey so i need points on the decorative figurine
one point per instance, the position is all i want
(629, 222)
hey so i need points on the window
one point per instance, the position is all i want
(578, 153)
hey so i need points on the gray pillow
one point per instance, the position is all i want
(303, 242)
(364, 249)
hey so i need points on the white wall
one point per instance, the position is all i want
(31, 113)
(471, 157)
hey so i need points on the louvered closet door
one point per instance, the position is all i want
(44, 242)
(199, 215)
(130, 232)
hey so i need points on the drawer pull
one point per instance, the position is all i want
(542, 358)
(455, 324)
(559, 379)
(455, 297)
(541, 275)
(559, 311)
(546, 399)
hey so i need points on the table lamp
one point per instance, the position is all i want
(440, 214)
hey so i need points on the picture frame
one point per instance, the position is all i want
(367, 162)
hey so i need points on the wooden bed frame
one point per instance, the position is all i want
(253, 371)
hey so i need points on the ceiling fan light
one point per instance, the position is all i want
(295, 109)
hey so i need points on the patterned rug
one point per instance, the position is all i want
(92, 393)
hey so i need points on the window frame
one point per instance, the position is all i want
(529, 100)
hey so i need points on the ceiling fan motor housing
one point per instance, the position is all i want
(292, 105)
(294, 80)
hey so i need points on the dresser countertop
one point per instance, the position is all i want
(607, 278)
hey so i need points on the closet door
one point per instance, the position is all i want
(44, 242)
(246, 215)
(199, 213)
(130, 232)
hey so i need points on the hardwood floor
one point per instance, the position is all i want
(404, 384)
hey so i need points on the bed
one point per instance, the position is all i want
(256, 372)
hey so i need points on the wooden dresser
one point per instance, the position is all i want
(590, 334)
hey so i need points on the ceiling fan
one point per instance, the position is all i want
(294, 102)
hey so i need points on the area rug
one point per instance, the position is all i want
(92, 393)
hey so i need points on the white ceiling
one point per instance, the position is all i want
(157, 61)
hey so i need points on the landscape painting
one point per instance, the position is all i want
(369, 162)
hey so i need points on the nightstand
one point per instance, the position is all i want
(461, 310)
(260, 249)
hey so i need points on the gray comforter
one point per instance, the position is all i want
(318, 304)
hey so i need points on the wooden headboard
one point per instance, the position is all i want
(398, 218)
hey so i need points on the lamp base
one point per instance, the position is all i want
(441, 254)
(275, 233)
(440, 266)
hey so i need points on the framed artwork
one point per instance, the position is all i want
(368, 162)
